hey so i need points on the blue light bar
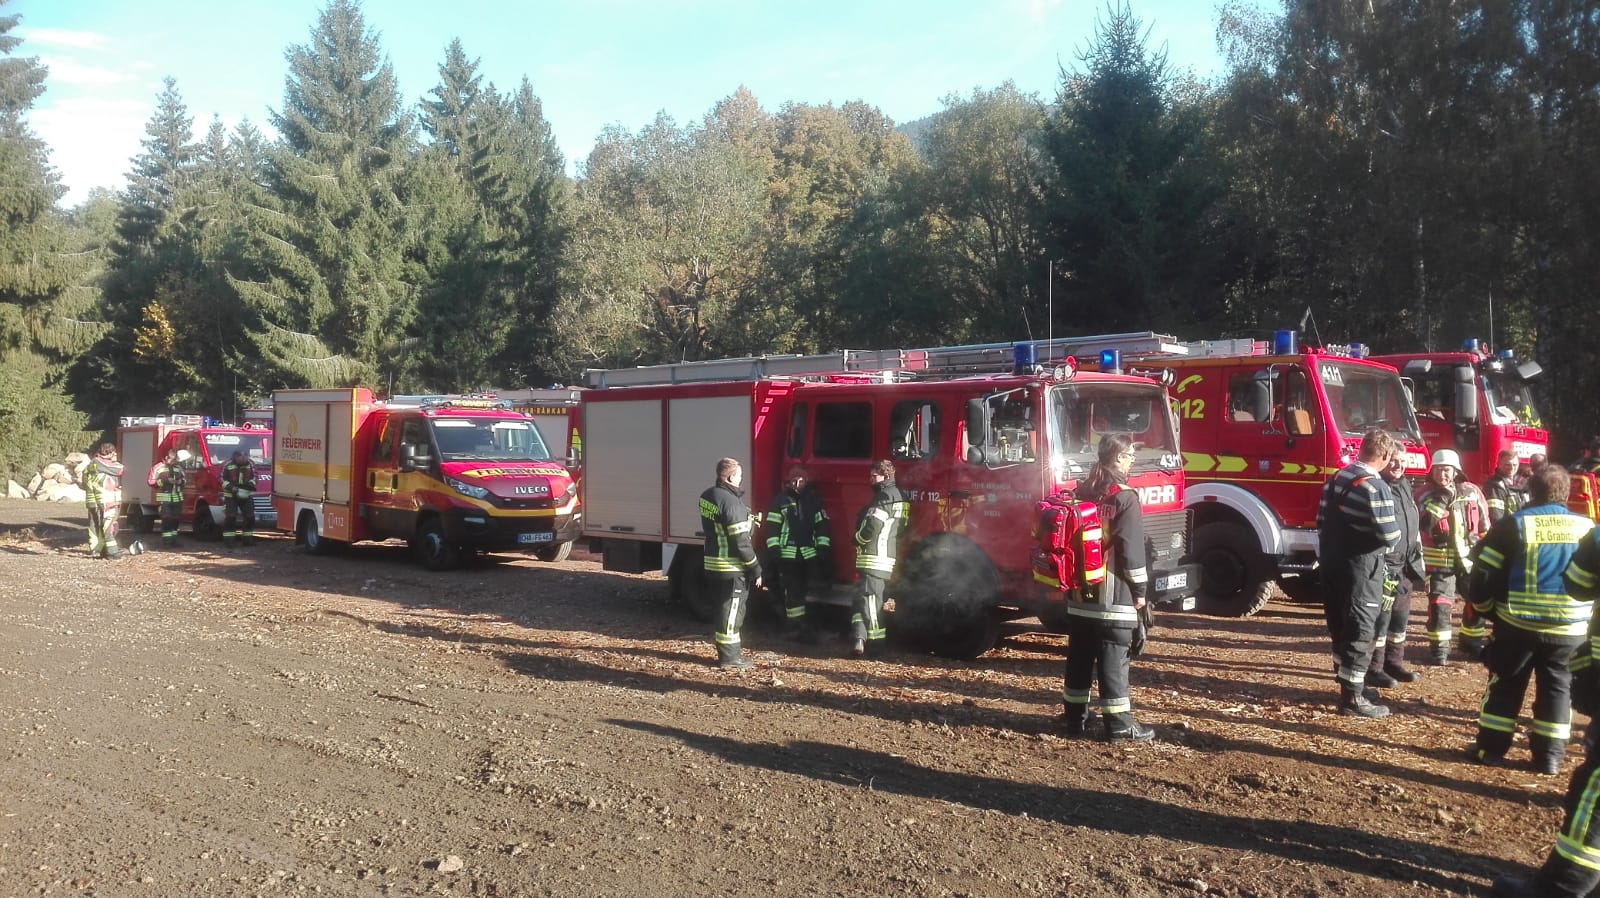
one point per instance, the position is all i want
(1285, 342)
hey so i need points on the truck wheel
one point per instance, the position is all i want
(1235, 579)
(1305, 589)
(688, 579)
(944, 600)
(307, 534)
(435, 553)
(138, 521)
(205, 526)
(1054, 619)
(557, 552)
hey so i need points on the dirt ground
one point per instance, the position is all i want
(262, 722)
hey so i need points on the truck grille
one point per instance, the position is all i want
(1166, 535)
(264, 509)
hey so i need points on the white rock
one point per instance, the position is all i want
(451, 864)
(76, 460)
(34, 484)
(14, 490)
(53, 471)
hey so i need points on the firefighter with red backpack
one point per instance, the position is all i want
(1106, 611)
(1452, 521)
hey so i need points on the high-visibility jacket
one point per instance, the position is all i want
(102, 483)
(1520, 565)
(878, 529)
(1447, 533)
(797, 526)
(1503, 496)
(239, 480)
(168, 481)
(727, 524)
(1122, 522)
(1582, 579)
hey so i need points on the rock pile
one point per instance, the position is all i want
(58, 482)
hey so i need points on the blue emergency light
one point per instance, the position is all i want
(1111, 361)
(1285, 342)
(1022, 358)
(1358, 350)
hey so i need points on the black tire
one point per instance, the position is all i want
(433, 550)
(205, 526)
(555, 553)
(688, 576)
(1235, 578)
(138, 521)
(944, 600)
(307, 534)
(1304, 589)
(1054, 619)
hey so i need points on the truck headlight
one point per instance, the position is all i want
(466, 489)
(572, 490)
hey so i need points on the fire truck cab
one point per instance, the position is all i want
(555, 412)
(1476, 402)
(1263, 426)
(205, 446)
(974, 453)
(448, 474)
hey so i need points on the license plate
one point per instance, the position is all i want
(1173, 581)
(543, 537)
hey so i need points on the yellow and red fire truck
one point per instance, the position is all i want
(1263, 425)
(978, 434)
(555, 412)
(1476, 402)
(206, 445)
(448, 474)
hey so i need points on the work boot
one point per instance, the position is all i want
(1375, 675)
(1506, 886)
(249, 539)
(858, 647)
(1394, 664)
(1480, 755)
(1354, 703)
(1471, 648)
(1072, 726)
(1547, 765)
(1123, 728)
(731, 657)
(1439, 656)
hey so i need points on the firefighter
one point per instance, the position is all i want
(1403, 573)
(731, 565)
(878, 529)
(1572, 869)
(239, 500)
(102, 496)
(1105, 630)
(1356, 526)
(1501, 489)
(1448, 514)
(1589, 460)
(1538, 626)
(797, 538)
(167, 477)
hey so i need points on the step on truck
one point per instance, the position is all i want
(205, 446)
(450, 475)
(978, 434)
(1476, 402)
(1263, 426)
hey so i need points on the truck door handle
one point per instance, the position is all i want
(960, 494)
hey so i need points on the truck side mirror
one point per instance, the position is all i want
(1417, 367)
(1298, 422)
(1466, 404)
(414, 457)
(978, 425)
(1529, 370)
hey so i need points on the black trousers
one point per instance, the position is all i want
(730, 593)
(1515, 656)
(238, 517)
(1353, 602)
(866, 619)
(1098, 649)
(1573, 868)
(794, 584)
(171, 512)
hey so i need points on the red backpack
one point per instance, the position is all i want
(1068, 552)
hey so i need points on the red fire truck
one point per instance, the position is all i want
(555, 412)
(975, 451)
(1263, 426)
(1475, 402)
(205, 445)
(448, 474)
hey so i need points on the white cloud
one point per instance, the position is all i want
(68, 72)
(91, 140)
(58, 37)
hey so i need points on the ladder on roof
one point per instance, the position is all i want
(975, 358)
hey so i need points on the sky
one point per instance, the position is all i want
(593, 64)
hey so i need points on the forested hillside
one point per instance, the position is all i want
(1400, 169)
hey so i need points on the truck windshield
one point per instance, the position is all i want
(485, 439)
(1081, 414)
(1510, 400)
(1363, 397)
(221, 446)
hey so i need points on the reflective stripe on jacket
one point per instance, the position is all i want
(1122, 521)
(1446, 542)
(797, 526)
(878, 529)
(727, 524)
(1520, 571)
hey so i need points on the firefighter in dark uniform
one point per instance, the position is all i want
(1449, 513)
(1572, 869)
(1538, 627)
(239, 500)
(731, 566)
(1103, 629)
(878, 528)
(1403, 572)
(168, 480)
(1501, 489)
(1356, 525)
(797, 538)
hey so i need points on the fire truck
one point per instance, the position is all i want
(555, 412)
(448, 474)
(204, 445)
(978, 434)
(1477, 402)
(1263, 426)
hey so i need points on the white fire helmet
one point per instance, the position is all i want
(1446, 457)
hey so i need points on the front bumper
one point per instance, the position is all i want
(476, 529)
(1175, 587)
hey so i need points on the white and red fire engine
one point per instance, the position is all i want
(448, 474)
(1264, 425)
(975, 450)
(205, 446)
